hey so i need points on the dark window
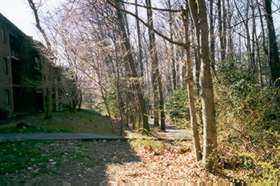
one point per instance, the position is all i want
(2, 34)
(7, 97)
(37, 63)
(6, 65)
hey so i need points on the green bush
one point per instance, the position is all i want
(241, 99)
(248, 118)
(177, 107)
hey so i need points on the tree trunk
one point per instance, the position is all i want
(225, 19)
(161, 106)
(172, 53)
(140, 50)
(156, 77)
(256, 48)
(248, 36)
(212, 34)
(273, 54)
(221, 33)
(230, 47)
(263, 30)
(197, 47)
(130, 60)
(254, 40)
(190, 88)
(206, 84)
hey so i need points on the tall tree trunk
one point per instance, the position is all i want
(263, 30)
(207, 93)
(172, 49)
(121, 107)
(140, 49)
(225, 19)
(221, 33)
(154, 66)
(273, 53)
(248, 36)
(140, 56)
(259, 61)
(212, 34)
(190, 88)
(230, 44)
(130, 60)
(197, 46)
(161, 106)
(120, 101)
(156, 77)
(254, 39)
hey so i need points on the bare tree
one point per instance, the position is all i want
(156, 77)
(190, 87)
(273, 53)
(130, 61)
(48, 54)
(198, 11)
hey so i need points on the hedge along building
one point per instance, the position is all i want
(21, 74)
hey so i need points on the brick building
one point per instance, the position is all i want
(21, 77)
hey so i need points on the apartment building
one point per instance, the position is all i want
(21, 77)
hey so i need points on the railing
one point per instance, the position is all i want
(14, 55)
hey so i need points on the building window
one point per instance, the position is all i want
(6, 66)
(37, 63)
(7, 97)
(2, 35)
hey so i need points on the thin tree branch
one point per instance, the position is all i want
(38, 24)
(249, 18)
(147, 25)
(153, 8)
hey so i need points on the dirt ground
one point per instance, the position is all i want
(95, 162)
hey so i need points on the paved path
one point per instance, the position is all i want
(171, 133)
(57, 136)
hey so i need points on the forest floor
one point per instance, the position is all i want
(137, 159)
(92, 162)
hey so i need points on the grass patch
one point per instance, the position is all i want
(81, 121)
(35, 157)
(84, 121)
(21, 155)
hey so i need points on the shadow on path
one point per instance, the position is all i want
(89, 168)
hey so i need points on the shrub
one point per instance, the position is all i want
(248, 120)
(177, 107)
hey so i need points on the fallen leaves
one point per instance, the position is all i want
(96, 161)
(170, 163)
